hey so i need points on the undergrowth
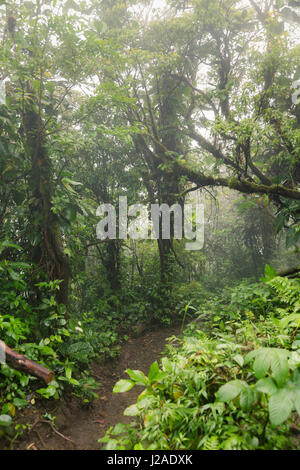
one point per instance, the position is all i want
(232, 382)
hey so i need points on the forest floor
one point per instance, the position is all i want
(79, 427)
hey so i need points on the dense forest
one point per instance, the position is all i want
(111, 110)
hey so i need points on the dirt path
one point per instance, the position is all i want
(84, 426)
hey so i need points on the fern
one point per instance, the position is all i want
(211, 443)
(80, 351)
(288, 290)
(234, 442)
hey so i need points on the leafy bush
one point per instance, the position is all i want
(237, 386)
(39, 333)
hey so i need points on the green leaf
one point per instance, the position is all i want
(138, 446)
(280, 366)
(270, 273)
(74, 183)
(247, 398)
(5, 420)
(266, 385)
(296, 399)
(280, 406)
(262, 363)
(119, 428)
(7, 244)
(251, 355)
(266, 358)
(238, 358)
(123, 386)
(48, 392)
(230, 390)
(131, 410)
(20, 402)
(74, 382)
(137, 376)
(67, 182)
(51, 390)
(153, 372)
(68, 373)
(167, 364)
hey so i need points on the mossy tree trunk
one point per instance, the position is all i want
(48, 251)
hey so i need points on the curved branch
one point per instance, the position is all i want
(205, 144)
(243, 186)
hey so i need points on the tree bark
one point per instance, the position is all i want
(49, 251)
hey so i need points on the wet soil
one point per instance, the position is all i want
(78, 427)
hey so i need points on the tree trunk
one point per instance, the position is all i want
(48, 250)
(113, 264)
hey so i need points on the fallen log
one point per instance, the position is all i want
(290, 273)
(19, 362)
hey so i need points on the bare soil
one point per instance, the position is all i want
(80, 427)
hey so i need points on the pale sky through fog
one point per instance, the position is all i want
(154, 5)
(158, 3)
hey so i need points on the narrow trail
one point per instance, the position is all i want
(80, 427)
